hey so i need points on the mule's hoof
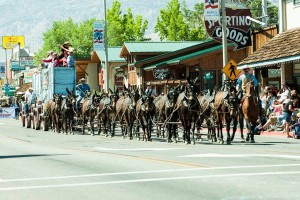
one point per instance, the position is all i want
(243, 141)
(228, 142)
(123, 137)
(194, 142)
(252, 141)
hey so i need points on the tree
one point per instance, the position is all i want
(178, 23)
(79, 35)
(125, 27)
(256, 12)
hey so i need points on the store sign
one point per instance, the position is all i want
(26, 61)
(28, 77)
(162, 74)
(16, 67)
(9, 42)
(238, 25)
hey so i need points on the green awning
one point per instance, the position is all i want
(176, 61)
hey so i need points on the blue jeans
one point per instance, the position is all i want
(297, 130)
(284, 116)
(78, 102)
(26, 108)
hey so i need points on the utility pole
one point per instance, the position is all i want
(6, 67)
(224, 37)
(281, 29)
(106, 71)
(264, 13)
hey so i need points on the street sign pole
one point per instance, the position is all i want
(6, 67)
(224, 37)
(106, 81)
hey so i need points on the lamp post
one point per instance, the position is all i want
(224, 37)
(106, 81)
(6, 67)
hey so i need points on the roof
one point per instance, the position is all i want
(156, 59)
(113, 54)
(24, 87)
(179, 60)
(284, 47)
(154, 47)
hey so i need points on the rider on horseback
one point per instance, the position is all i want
(82, 88)
(241, 86)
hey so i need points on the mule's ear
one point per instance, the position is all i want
(110, 91)
(117, 91)
(141, 91)
(68, 91)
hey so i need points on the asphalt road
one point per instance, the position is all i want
(37, 165)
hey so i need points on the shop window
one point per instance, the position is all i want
(296, 2)
(297, 69)
(209, 79)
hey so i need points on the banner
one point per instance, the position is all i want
(2, 69)
(212, 10)
(7, 113)
(8, 42)
(98, 37)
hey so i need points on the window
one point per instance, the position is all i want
(209, 79)
(296, 2)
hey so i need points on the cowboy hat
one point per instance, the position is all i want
(30, 88)
(82, 80)
(66, 42)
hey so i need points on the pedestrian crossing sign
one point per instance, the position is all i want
(231, 71)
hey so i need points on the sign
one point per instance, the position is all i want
(212, 10)
(26, 61)
(15, 66)
(98, 37)
(231, 70)
(7, 113)
(238, 25)
(162, 74)
(2, 69)
(28, 77)
(8, 42)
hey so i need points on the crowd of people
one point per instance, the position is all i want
(65, 58)
(280, 111)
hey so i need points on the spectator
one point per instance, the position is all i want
(296, 127)
(54, 60)
(71, 59)
(64, 61)
(64, 49)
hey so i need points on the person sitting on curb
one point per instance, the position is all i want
(296, 127)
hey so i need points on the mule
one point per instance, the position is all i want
(145, 112)
(250, 110)
(89, 111)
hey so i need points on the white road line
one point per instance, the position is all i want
(137, 149)
(150, 180)
(213, 155)
(147, 172)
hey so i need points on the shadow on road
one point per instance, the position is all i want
(29, 155)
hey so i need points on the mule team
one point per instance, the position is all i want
(183, 106)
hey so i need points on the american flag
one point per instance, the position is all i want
(211, 4)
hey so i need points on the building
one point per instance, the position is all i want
(281, 55)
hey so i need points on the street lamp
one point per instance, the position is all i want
(6, 67)
(106, 81)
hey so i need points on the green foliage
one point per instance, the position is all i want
(178, 23)
(79, 35)
(124, 27)
(256, 12)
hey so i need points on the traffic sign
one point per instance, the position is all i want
(231, 71)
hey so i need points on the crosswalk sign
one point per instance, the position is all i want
(231, 71)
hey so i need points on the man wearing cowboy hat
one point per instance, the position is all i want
(82, 88)
(245, 78)
(28, 99)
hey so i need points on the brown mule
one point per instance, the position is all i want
(250, 110)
